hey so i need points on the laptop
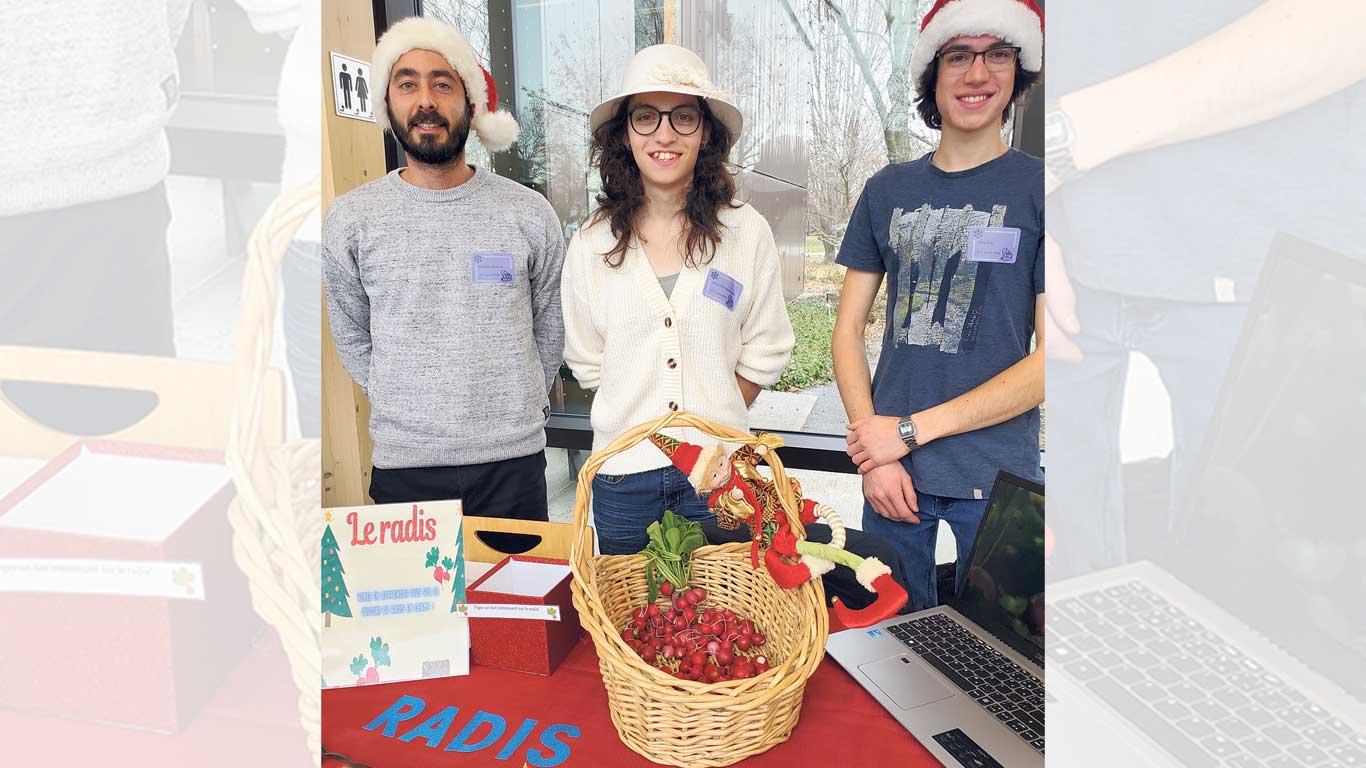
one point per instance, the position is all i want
(1248, 648)
(966, 678)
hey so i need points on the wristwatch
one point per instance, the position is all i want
(906, 428)
(1058, 138)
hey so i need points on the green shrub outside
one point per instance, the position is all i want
(812, 364)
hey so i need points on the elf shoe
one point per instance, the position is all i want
(876, 578)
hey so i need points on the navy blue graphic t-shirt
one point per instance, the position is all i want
(963, 253)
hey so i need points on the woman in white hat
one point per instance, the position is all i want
(672, 291)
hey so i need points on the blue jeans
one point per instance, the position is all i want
(302, 278)
(625, 505)
(915, 542)
(1191, 345)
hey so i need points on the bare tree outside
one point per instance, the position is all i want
(861, 106)
(872, 41)
(649, 23)
(845, 145)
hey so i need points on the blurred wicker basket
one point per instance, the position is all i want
(275, 516)
(680, 722)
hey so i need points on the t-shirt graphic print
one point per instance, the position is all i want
(938, 299)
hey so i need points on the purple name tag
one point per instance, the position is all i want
(1000, 245)
(492, 267)
(722, 289)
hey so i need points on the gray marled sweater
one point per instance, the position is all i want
(457, 371)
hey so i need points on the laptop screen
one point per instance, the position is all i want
(1004, 589)
(1272, 528)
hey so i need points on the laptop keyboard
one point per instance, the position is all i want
(1189, 690)
(998, 684)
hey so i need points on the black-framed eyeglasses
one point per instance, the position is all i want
(645, 119)
(997, 59)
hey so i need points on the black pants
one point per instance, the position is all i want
(839, 582)
(512, 488)
(94, 276)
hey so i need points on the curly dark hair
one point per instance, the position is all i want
(928, 109)
(623, 193)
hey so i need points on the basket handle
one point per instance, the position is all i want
(582, 549)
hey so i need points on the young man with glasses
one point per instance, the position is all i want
(958, 234)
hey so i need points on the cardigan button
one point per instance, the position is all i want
(673, 406)
(668, 322)
(672, 363)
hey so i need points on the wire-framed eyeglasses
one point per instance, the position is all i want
(997, 59)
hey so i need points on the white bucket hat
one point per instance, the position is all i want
(671, 69)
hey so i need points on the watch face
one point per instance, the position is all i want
(1056, 131)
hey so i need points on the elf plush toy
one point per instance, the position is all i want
(739, 493)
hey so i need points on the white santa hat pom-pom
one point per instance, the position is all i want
(496, 130)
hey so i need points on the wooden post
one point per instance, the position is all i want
(353, 154)
(671, 22)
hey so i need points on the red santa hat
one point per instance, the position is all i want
(691, 459)
(1018, 22)
(496, 130)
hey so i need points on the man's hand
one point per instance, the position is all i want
(874, 441)
(888, 488)
(1060, 317)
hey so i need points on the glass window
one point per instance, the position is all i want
(809, 144)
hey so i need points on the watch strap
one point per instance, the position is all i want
(1058, 157)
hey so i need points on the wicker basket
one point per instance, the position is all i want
(680, 722)
(276, 516)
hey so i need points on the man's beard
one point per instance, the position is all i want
(427, 150)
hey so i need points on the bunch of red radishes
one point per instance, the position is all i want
(694, 642)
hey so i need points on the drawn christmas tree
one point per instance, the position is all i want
(334, 591)
(458, 584)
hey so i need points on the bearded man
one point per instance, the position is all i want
(443, 290)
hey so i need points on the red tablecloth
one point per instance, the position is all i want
(840, 726)
(253, 720)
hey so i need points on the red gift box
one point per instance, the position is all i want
(524, 645)
(134, 656)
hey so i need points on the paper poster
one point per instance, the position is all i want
(392, 576)
(353, 87)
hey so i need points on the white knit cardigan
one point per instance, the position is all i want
(646, 353)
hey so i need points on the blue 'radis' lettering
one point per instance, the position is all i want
(461, 741)
(559, 751)
(396, 714)
(434, 728)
